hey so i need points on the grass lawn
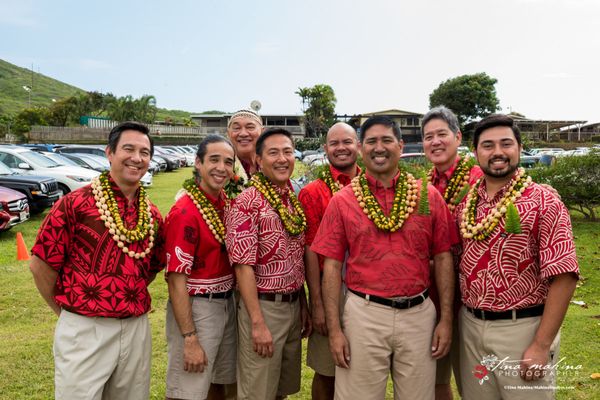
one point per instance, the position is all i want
(27, 324)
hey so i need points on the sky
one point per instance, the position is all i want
(376, 55)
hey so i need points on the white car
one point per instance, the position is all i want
(25, 161)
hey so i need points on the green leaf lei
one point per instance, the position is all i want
(206, 209)
(405, 200)
(294, 223)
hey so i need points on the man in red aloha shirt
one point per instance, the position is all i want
(201, 324)
(451, 175)
(94, 257)
(341, 148)
(265, 241)
(390, 231)
(518, 272)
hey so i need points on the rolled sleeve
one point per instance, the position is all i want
(181, 237)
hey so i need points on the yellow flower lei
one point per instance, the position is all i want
(327, 177)
(469, 229)
(405, 201)
(109, 213)
(458, 181)
(294, 223)
(206, 209)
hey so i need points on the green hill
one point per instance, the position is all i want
(13, 98)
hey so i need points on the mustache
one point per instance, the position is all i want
(499, 158)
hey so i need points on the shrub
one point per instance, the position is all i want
(577, 180)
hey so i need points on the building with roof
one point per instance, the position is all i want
(217, 123)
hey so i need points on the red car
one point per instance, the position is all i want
(14, 208)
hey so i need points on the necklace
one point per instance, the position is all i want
(109, 213)
(458, 183)
(479, 231)
(206, 209)
(332, 184)
(405, 201)
(294, 223)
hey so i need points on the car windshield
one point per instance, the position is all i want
(60, 160)
(38, 159)
(4, 170)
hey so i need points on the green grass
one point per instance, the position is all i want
(27, 324)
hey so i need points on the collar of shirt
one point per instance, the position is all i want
(445, 176)
(218, 203)
(246, 165)
(341, 177)
(122, 201)
(377, 185)
(483, 195)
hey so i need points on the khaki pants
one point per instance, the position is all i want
(102, 358)
(265, 378)
(216, 328)
(383, 340)
(501, 338)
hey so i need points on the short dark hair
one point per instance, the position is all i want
(443, 113)
(271, 132)
(492, 121)
(115, 134)
(203, 145)
(380, 120)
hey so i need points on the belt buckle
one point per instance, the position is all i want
(400, 301)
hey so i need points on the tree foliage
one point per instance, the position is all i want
(318, 105)
(469, 96)
(576, 180)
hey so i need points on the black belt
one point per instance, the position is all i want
(220, 295)
(283, 297)
(534, 311)
(401, 303)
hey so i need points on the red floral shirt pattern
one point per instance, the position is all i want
(256, 237)
(383, 263)
(192, 249)
(95, 278)
(512, 271)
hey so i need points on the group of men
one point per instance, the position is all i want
(375, 246)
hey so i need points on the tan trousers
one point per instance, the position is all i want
(265, 378)
(383, 340)
(502, 338)
(102, 358)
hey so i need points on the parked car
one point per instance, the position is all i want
(41, 191)
(414, 158)
(187, 158)
(89, 161)
(529, 160)
(412, 148)
(177, 160)
(97, 149)
(172, 163)
(15, 205)
(29, 162)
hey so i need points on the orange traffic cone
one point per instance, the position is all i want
(22, 253)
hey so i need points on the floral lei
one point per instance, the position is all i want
(405, 201)
(332, 184)
(206, 209)
(294, 223)
(458, 184)
(235, 186)
(109, 213)
(479, 231)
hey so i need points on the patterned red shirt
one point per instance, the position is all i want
(383, 263)
(192, 249)
(315, 198)
(256, 237)
(95, 278)
(511, 271)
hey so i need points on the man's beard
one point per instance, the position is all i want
(502, 173)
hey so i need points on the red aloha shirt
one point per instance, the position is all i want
(256, 237)
(511, 271)
(383, 263)
(95, 278)
(192, 249)
(439, 180)
(315, 198)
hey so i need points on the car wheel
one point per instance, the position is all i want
(63, 188)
